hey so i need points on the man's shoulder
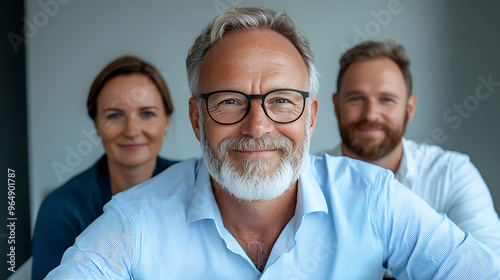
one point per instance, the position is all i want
(427, 154)
(169, 186)
(345, 172)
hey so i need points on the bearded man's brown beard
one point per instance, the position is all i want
(365, 148)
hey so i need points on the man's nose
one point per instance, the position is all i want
(257, 124)
(371, 110)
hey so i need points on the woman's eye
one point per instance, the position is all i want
(113, 116)
(148, 114)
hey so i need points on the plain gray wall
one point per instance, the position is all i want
(450, 44)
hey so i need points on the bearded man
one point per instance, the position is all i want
(373, 104)
(256, 205)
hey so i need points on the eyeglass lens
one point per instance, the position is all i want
(231, 107)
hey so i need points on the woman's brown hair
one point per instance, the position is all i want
(128, 65)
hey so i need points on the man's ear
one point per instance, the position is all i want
(335, 99)
(314, 114)
(411, 106)
(194, 116)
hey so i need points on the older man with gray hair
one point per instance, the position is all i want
(256, 205)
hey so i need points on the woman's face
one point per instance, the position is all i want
(131, 120)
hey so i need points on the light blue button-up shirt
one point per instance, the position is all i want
(352, 219)
(450, 183)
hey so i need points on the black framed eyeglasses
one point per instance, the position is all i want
(231, 106)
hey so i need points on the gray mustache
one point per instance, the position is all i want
(241, 143)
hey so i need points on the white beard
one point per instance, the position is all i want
(256, 181)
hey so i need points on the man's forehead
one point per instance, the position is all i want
(379, 72)
(262, 41)
(252, 53)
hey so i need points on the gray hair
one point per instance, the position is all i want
(239, 18)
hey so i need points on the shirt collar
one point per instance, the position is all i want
(202, 204)
(406, 168)
(310, 197)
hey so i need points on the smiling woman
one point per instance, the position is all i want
(131, 121)
(130, 105)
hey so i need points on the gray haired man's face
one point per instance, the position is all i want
(254, 62)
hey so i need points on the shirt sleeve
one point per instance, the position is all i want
(470, 203)
(422, 244)
(103, 251)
